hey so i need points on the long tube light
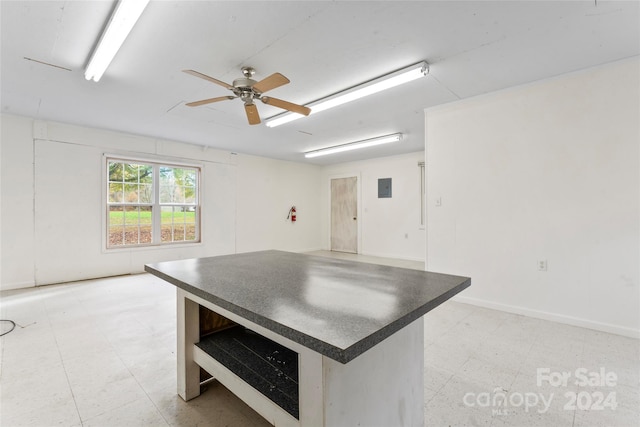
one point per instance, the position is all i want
(387, 81)
(386, 139)
(122, 20)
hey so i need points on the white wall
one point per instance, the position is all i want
(16, 228)
(267, 189)
(547, 171)
(53, 209)
(388, 227)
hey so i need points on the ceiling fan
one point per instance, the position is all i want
(248, 90)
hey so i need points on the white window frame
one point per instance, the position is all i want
(156, 206)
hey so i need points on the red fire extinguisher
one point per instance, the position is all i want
(292, 214)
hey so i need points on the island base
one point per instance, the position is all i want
(384, 386)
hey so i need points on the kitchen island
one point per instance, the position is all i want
(306, 340)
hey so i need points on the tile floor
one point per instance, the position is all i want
(102, 353)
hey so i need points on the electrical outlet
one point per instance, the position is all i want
(406, 235)
(439, 201)
(542, 265)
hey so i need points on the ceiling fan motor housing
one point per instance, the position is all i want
(243, 87)
(244, 83)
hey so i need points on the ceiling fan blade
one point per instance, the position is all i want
(295, 108)
(211, 79)
(252, 114)
(209, 101)
(273, 81)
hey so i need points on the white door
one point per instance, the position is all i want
(344, 218)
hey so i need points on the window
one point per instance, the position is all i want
(151, 203)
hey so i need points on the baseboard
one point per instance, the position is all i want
(392, 256)
(16, 285)
(554, 317)
(301, 251)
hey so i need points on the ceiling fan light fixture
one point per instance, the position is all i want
(386, 139)
(122, 20)
(379, 84)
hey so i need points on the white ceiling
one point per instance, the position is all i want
(323, 47)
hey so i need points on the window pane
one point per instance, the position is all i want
(145, 223)
(181, 226)
(145, 234)
(115, 193)
(131, 193)
(166, 224)
(116, 236)
(145, 173)
(131, 215)
(116, 215)
(146, 193)
(178, 232)
(131, 235)
(189, 214)
(115, 228)
(130, 173)
(166, 175)
(190, 224)
(166, 194)
(145, 215)
(115, 171)
(190, 195)
(190, 232)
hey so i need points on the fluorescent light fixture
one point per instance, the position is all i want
(387, 81)
(122, 21)
(396, 137)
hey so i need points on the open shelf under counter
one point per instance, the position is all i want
(265, 365)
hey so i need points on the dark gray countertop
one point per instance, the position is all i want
(336, 307)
